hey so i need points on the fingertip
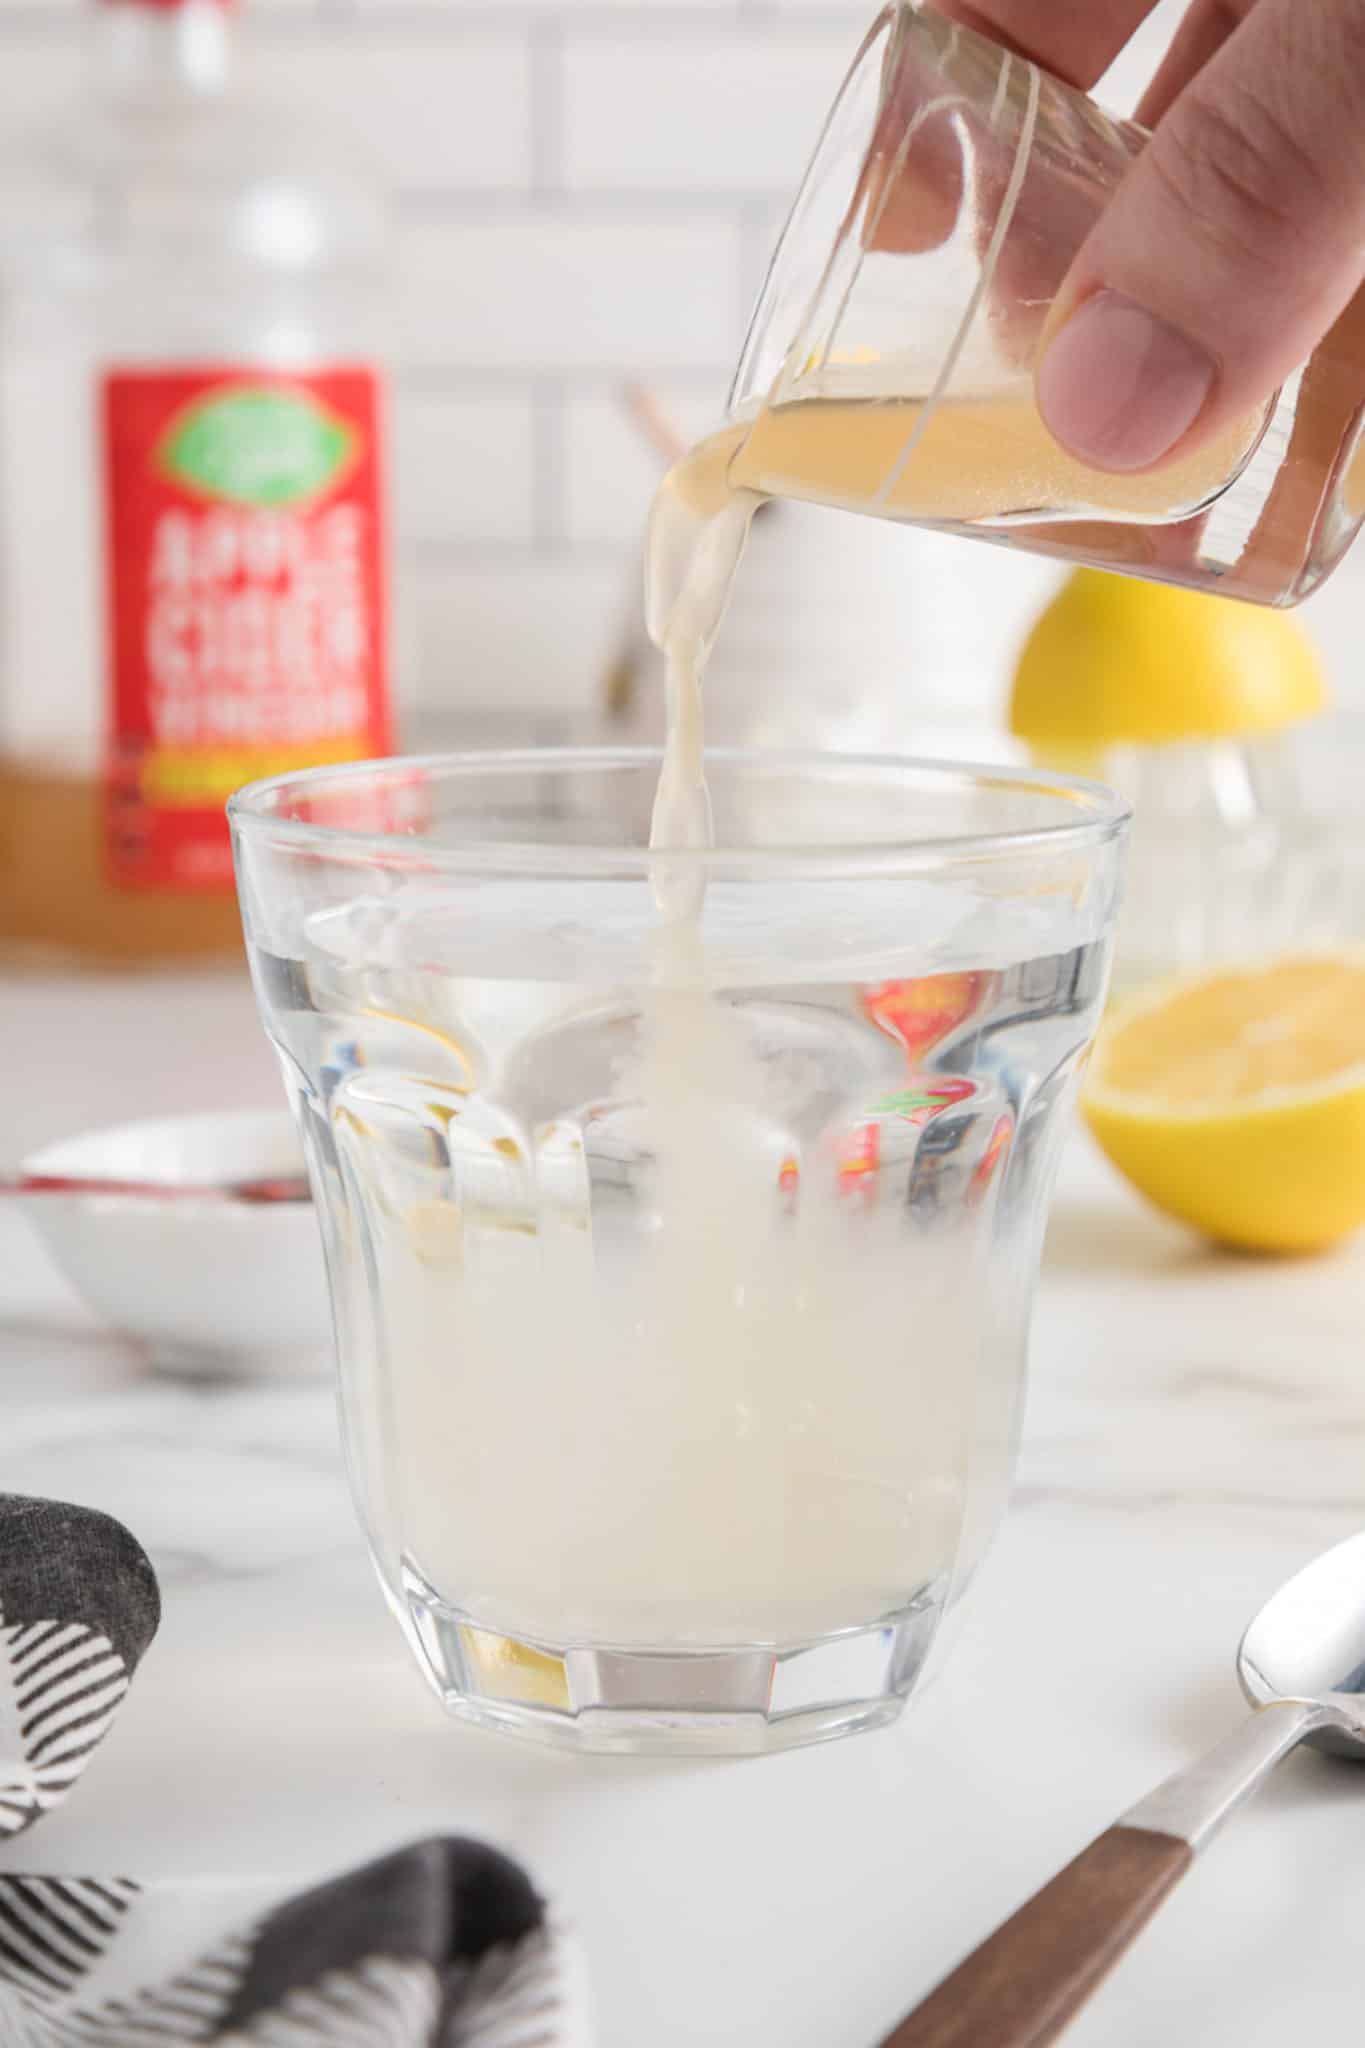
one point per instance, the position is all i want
(1119, 387)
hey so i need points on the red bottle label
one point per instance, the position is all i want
(921, 1014)
(247, 600)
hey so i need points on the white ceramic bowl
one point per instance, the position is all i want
(213, 1288)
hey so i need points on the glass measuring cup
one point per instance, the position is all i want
(889, 365)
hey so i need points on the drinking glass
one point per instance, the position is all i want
(889, 366)
(681, 1275)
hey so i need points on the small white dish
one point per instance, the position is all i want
(214, 1287)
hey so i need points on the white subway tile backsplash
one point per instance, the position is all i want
(43, 10)
(535, 634)
(696, 110)
(38, 77)
(587, 191)
(437, 111)
(558, 290)
(466, 468)
(611, 468)
(626, 12)
(762, 224)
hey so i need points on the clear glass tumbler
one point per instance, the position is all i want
(681, 1292)
(889, 366)
(1228, 859)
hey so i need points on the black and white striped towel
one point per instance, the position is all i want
(445, 1944)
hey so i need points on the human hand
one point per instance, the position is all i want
(1236, 240)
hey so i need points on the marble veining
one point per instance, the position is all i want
(1194, 1433)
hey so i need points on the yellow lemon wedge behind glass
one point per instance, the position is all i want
(1188, 703)
(1118, 662)
(1235, 1100)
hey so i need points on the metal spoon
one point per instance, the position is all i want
(1302, 1667)
(279, 1187)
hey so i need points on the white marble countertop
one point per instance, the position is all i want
(1196, 1430)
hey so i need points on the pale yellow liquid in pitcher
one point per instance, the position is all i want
(965, 462)
(962, 462)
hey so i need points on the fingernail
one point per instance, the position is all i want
(1118, 387)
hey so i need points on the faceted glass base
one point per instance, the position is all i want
(669, 1701)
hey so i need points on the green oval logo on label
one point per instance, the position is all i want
(258, 445)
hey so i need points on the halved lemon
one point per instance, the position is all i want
(1235, 1100)
(1114, 661)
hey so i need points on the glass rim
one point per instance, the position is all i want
(1105, 814)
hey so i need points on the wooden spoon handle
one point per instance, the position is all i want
(1033, 1975)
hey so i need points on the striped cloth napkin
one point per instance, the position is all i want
(444, 1944)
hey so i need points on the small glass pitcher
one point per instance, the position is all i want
(889, 365)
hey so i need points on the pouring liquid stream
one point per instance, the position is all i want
(698, 528)
(963, 461)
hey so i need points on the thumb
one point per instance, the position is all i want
(1229, 249)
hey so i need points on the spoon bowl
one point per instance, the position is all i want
(1307, 1645)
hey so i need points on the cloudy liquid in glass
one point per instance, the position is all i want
(687, 1283)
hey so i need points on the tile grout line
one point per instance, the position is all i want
(454, 551)
(592, 205)
(479, 380)
(480, 16)
(549, 468)
(754, 242)
(545, 109)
